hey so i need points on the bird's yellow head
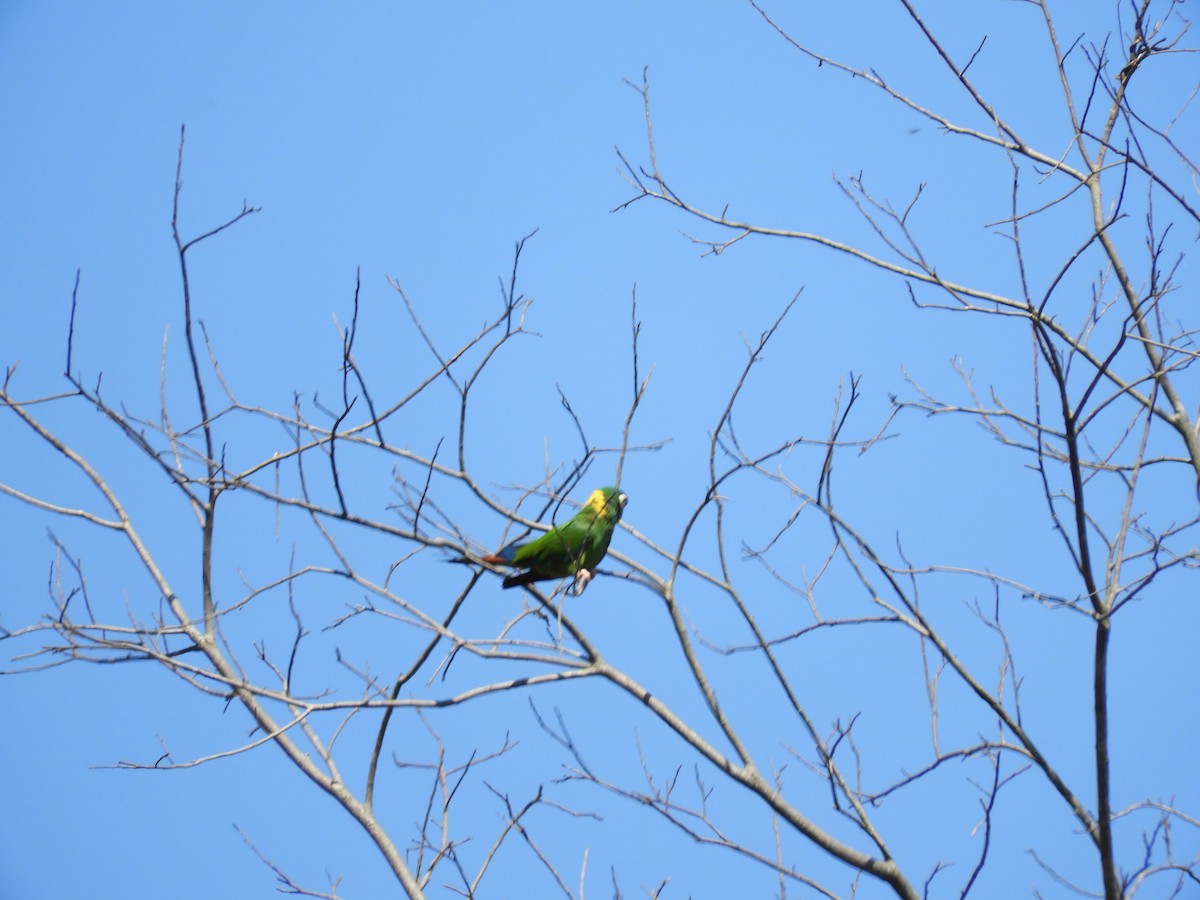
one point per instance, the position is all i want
(606, 503)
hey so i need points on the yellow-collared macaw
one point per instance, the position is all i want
(572, 548)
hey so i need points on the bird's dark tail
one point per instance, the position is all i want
(519, 578)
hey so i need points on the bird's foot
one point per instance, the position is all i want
(582, 577)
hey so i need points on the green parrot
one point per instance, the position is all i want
(573, 548)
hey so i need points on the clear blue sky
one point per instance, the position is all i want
(421, 141)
